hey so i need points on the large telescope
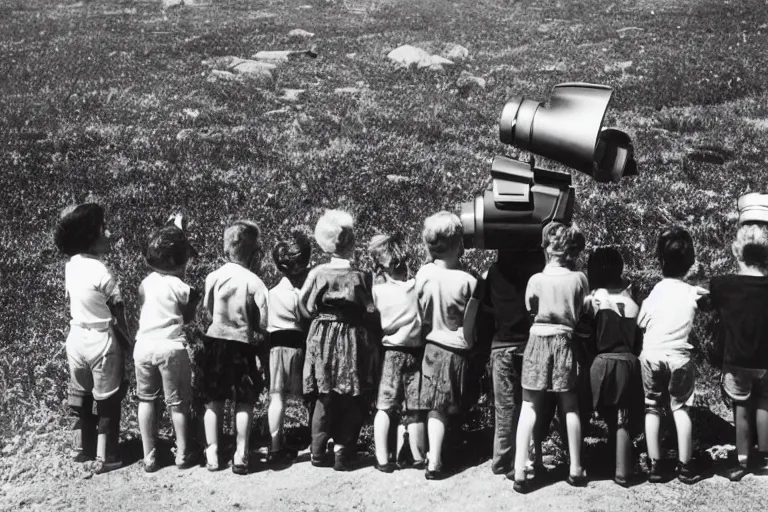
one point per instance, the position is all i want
(522, 198)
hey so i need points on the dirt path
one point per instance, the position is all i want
(304, 488)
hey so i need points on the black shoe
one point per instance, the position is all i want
(622, 481)
(389, 467)
(577, 480)
(435, 474)
(654, 472)
(322, 461)
(500, 471)
(735, 474)
(82, 456)
(343, 461)
(420, 464)
(520, 486)
(685, 473)
(280, 457)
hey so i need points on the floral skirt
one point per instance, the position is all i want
(340, 358)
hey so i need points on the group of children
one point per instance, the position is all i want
(341, 337)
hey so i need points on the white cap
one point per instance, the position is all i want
(753, 207)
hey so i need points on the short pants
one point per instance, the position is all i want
(163, 367)
(400, 385)
(667, 383)
(228, 371)
(743, 384)
(549, 364)
(96, 363)
(443, 379)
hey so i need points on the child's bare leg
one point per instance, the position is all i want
(243, 420)
(180, 419)
(381, 425)
(147, 425)
(436, 424)
(652, 427)
(212, 422)
(743, 437)
(276, 416)
(684, 434)
(569, 401)
(762, 426)
(400, 438)
(525, 426)
(417, 439)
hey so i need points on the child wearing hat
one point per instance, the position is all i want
(741, 302)
(97, 340)
(160, 356)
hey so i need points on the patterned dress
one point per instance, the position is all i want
(342, 354)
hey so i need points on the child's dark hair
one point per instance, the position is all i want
(675, 252)
(292, 256)
(389, 251)
(604, 268)
(78, 228)
(168, 249)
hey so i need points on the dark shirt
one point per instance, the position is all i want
(741, 303)
(504, 300)
(616, 334)
(336, 289)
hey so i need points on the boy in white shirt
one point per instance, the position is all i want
(97, 340)
(287, 338)
(236, 300)
(668, 373)
(397, 302)
(160, 355)
(444, 292)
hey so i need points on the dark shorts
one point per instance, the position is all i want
(744, 384)
(443, 379)
(667, 383)
(549, 364)
(229, 371)
(400, 385)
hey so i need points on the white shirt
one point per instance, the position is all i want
(283, 308)
(162, 299)
(237, 300)
(89, 286)
(667, 318)
(443, 297)
(398, 306)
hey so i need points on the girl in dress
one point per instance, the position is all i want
(341, 352)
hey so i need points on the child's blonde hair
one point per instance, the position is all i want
(389, 252)
(242, 241)
(751, 246)
(562, 242)
(334, 232)
(442, 233)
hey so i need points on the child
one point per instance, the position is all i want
(160, 355)
(236, 300)
(287, 337)
(506, 328)
(397, 303)
(97, 340)
(617, 391)
(444, 292)
(556, 297)
(741, 301)
(666, 316)
(340, 349)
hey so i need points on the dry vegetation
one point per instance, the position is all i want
(94, 96)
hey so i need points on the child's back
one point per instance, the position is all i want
(398, 307)
(444, 294)
(556, 297)
(162, 297)
(237, 301)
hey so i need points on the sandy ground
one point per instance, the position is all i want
(302, 487)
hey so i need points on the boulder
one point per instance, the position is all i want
(299, 33)
(283, 55)
(454, 52)
(407, 55)
(252, 67)
(292, 94)
(468, 83)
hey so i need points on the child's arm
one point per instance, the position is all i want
(476, 292)
(117, 307)
(531, 299)
(703, 299)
